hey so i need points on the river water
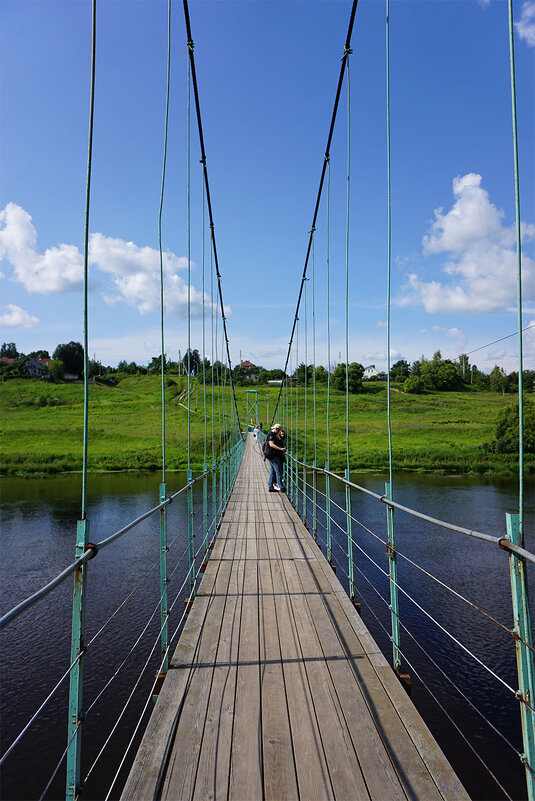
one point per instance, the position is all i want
(38, 521)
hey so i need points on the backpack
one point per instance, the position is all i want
(266, 450)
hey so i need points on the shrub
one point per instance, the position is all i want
(413, 385)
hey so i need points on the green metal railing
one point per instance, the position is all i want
(511, 543)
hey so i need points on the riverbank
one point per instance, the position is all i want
(41, 427)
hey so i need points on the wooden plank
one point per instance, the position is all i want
(214, 759)
(344, 769)
(246, 756)
(280, 780)
(311, 766)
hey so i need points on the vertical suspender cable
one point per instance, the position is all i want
(328, 462)
(74, 733)
(347, 261)
(305, 450)
(315, 463)
(349, 520)
(389, 241)
(391, 550)
(86, 260)
(163, 512)
(189, 474)
(519, 276)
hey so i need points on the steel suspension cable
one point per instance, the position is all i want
(314, 352)
(188, 179)
(204, 330)
(322, 179)
(191, 57)
(328, 316)
(347, 258)
(519, 277)
(389, 244)
(160, 212)
(86, 257)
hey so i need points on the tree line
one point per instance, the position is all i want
(422, 375)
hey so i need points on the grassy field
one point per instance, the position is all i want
(41, 427)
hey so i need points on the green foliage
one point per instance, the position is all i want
(507, 432)
(413, 385)
(354, 377)
(56, 369)
(9, 351)
(440, 375)
(399, 370)
(72, 356)
(321, 374)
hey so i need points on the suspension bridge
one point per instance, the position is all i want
(269, 685)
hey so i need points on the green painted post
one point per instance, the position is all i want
(164, 612)
(349, 527)
(328, 511)
(393, 580)
(191, 538)
(304, 496)
(205, 507)
(220, 491)
(214, 498)
(524, 655)
(77, 674)
(315, 502)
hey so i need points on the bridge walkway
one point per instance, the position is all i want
(276, 689)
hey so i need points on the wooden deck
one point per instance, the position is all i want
(276, 689)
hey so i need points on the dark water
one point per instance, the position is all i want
(37, 541)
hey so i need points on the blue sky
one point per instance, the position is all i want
(267, 73)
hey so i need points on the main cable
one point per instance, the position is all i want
(347, 51)
(191, 57)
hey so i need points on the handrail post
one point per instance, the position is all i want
(205, 507)
(220, 491)
(328, 512)
(393, 580)
(524, 655)
(164, 612)
(315, 502)
(304, 495)
(349, 527)
(191, 538)
(76, 681)
(214, 498)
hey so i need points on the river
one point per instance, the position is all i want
(38, 521)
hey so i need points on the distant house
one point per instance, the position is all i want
(247, 365)
(275, 381)
(7, 360)
(32, 367)
(45, 362)
(370, 372)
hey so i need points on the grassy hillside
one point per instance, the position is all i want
(41, 427)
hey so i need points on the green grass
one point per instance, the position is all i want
(41, 427)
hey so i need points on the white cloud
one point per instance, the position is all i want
(481, 273)
(134, 271)
(56, 270)
(380, 324)
(16, 317)
(525, 28)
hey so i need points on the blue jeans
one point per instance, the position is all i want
(275, 474)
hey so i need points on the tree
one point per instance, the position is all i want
(56, 369)
(399, 370)
(437, 356)
(304, 374)
(498, 379)
(507, 433)
(192, 361)
(321, 374)
(155, 365)
(464, 366)
(9, 351)
(39, 354)
(354, 376)
(413, 385)
(72, 356)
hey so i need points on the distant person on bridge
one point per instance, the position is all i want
(275, 453)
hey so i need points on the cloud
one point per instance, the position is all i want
(525, 28)
(380, 324)
(56, 270)
(134, 271)
(18, 318)
(481, 271)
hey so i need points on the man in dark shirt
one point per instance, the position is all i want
(275, 456)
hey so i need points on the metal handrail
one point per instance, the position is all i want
(92, 549)
(501, 542)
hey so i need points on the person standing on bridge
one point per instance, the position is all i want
(275, 454)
